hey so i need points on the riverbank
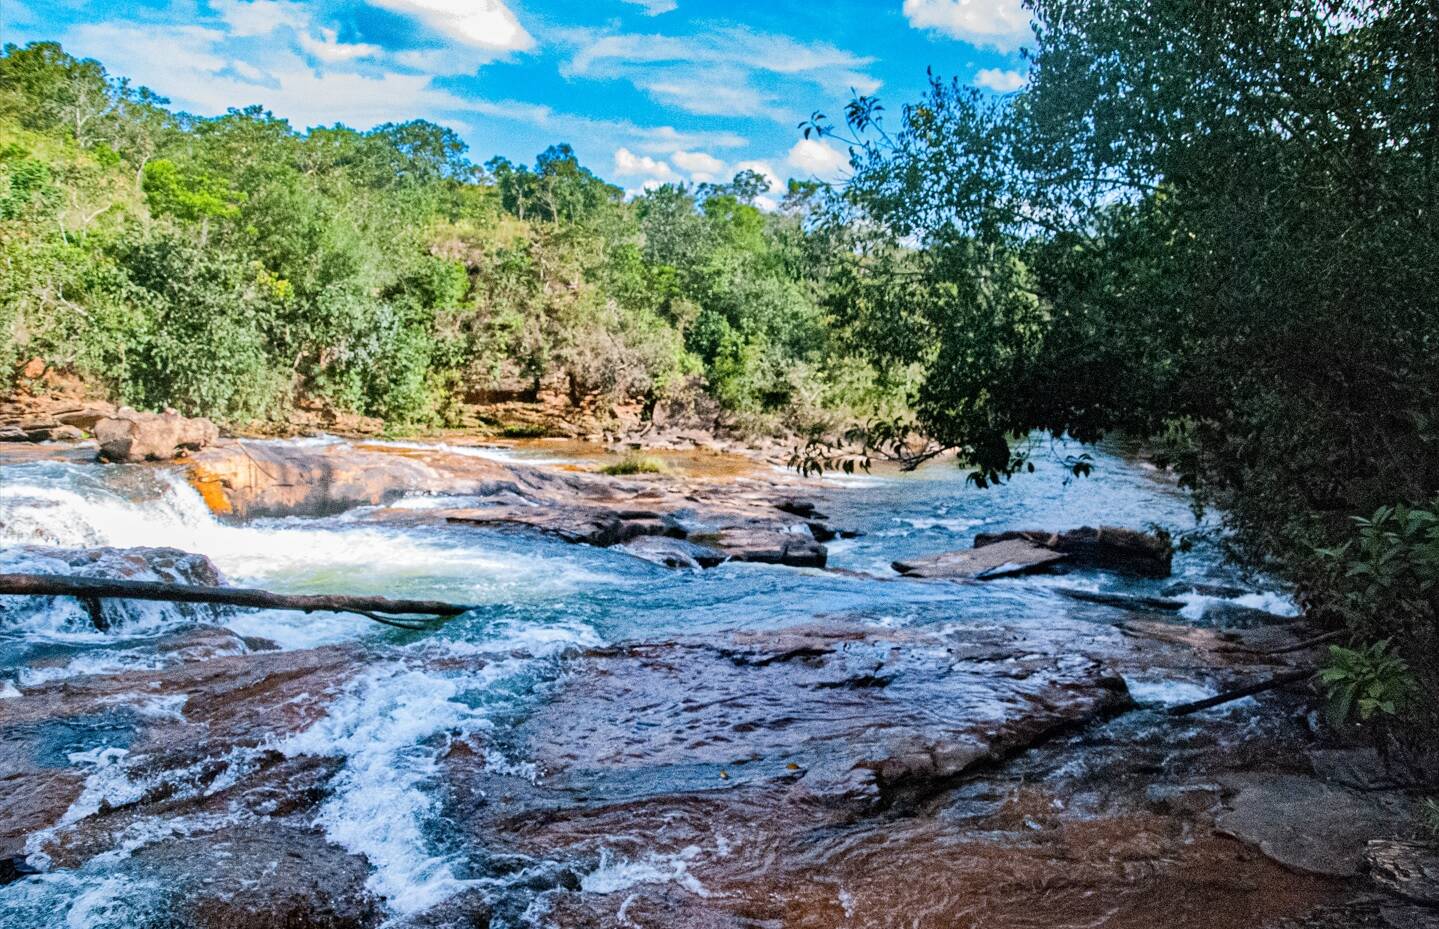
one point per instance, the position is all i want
(609, 740)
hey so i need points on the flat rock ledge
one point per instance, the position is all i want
(852, 719)
(1308, 825)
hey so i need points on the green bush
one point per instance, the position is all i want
(635, 463)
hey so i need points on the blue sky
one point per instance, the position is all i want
(647, 91)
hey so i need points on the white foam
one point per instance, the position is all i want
(1273, 602)
(487, 452)
(379, 809)
(70, 506)
(613, 875)
(87, 663)
(956, 524)
(9, 691)
(1167, 692)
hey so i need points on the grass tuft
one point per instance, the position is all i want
(635, 463)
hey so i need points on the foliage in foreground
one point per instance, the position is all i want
(235, 267)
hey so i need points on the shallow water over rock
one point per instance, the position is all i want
(605, 740)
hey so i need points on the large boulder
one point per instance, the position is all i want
(1107, 548)
(130, 436)
(253, 479)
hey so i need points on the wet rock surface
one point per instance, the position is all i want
(796, 778)
(1001, 559)
(90, 758)
(736, 517)
(260, 876)
(852, 717)
(1308, 825)
(890, 764)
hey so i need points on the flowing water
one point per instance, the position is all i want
(538, 602)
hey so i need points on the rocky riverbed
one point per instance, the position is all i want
(701, 698)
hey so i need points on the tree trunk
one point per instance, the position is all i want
(91, 589)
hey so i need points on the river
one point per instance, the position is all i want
(541, 605)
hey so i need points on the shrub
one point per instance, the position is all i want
(635, 463)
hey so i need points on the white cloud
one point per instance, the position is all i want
(260, 17)
(486, 24)
(712, 94)
(204, 71)
(328, 48)
(711, 73)
(655, 7)
(703, 168)
(628, 164)
(817, 158)
(189, 65)
(999, 81)
(1001, 24)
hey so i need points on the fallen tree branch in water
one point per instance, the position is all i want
(1228, 696)
(1296, 647)
(90, 590)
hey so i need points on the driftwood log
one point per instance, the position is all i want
(90, 590)
(1239, 693)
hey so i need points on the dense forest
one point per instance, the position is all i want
(234, 266)
(1206, 226)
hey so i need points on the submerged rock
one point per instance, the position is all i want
(854, 717)
(848, 775)
(674, 553)
(133, 436)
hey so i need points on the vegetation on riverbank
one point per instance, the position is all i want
(1211, 225)
(235, 267)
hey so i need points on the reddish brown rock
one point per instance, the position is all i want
(262, 876)
(251, 479)
(132, 436)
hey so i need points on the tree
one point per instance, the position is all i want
(1206, 224)
(190, 195)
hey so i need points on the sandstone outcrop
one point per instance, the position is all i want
(131, 436)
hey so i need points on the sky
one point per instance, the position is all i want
(647, 91)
